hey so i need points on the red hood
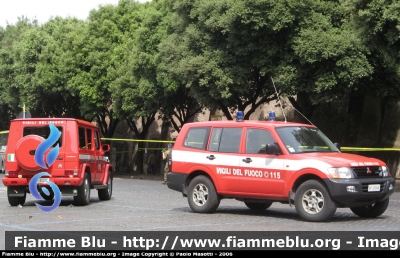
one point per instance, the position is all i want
(337, 159)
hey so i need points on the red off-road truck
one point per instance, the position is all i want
(78, 161)
(262, 162)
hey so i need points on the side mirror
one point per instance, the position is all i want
(337, 145)
(106, 147)
(272, 149)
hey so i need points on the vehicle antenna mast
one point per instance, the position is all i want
(279, 98)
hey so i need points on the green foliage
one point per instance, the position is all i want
(377, 23)
(11, 66)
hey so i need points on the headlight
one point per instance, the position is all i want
(385, 171)
(344, 172)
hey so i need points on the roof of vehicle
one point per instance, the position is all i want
(248, 123)
(80, 121)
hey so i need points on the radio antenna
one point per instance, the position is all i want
(279, 98)
(301, 114)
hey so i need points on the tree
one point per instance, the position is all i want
(55, 67)
(378, 23)
(177, 105)
(10, 86)
(328, 63)
(227, 51)
(137, 94)
(94, 46)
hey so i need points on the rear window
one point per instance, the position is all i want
(197, 138)
(43, 131)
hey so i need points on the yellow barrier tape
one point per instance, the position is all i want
(342, 148)
(134, 140)
(148, 149)
(368, 149)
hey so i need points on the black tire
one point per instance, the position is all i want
(16, 200)
(44, 196)
(202, 196)
(313, 202)
(105, 194)
(258, 206)
(83, 196)
(371, 211)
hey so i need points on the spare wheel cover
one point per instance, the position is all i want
(25, 152)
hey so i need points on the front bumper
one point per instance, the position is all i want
(361, 196)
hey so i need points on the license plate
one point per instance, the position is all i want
(43, 180)
(374, 188)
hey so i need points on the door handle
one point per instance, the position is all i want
(247, 160)
(211, 157)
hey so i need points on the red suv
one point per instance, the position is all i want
(262, 162)
(77, 155)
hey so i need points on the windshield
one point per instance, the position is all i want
(299, 139)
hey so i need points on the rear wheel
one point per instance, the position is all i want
(313, 202)
(258, 206)
(202, 196)
(83, 196)
(371, 211)
(105, 194)
(16, 200)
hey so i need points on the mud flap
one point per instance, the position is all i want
(16, 191)
(291, 198)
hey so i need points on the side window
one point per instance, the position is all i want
(97, 140)
(230, 140)
(89, 138)
(256, 139)
(197, 138)
(82, 138)
(215, 139)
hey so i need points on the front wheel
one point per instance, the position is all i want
(202, 196)
(371, 211)
(83, 196)
(105, 194)
(258, 206)
(313, 202)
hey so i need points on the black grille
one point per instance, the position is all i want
(367, 172)
(365, 187)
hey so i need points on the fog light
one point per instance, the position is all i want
(67, 182)
(391, 187)
(351, 189)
